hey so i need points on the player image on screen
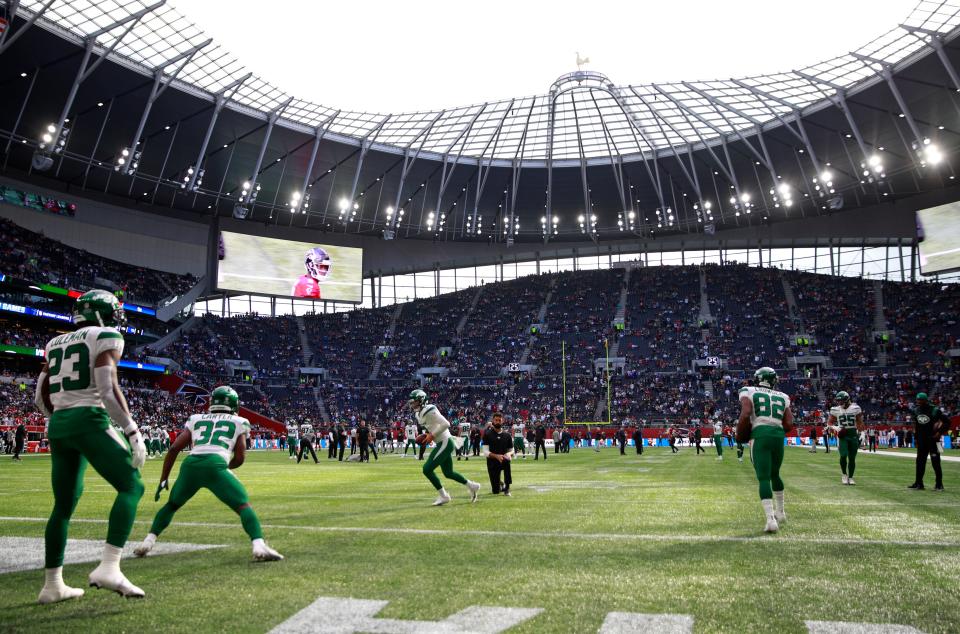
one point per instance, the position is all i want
(318, 264)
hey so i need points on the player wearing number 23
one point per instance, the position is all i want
(765, 419)
(78, 391)
(219, 445)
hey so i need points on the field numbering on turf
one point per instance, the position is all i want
(334, 615)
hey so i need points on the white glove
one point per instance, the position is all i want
(137, 448)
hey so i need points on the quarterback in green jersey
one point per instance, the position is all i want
(77, 391)
(765, 419)
(219, 445)
(438, 429)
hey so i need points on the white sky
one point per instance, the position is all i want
(383, 56)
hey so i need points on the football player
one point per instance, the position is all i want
(219, 445)
(317, 262)
(765, 420)
(410, 434)
(78, 391)
(156, 439)
(718, 436)
(438, 429)
(518, 442)
(307, 438)
(464, 431)
(292, 436)
(847, 420)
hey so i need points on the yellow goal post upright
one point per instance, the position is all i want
(563, 357)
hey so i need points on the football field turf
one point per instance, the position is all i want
(584, 535)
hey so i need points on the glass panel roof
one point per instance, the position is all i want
(593, 120)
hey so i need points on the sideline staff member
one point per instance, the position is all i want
(929, 423)
(498, 447)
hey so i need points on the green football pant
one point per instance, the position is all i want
(718, 443)
(208, 472)
(739, 451)
(519, 446)
(767, 455)
(848, 446)
(292, 445)
(442, 456)
(110, 456)
(410, 443)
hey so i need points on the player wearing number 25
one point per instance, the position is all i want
(765, 420)
(219, 444)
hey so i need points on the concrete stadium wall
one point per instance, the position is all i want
(137, 237)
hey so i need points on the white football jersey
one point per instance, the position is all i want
(431, 418)
(518, 430)
(410, 431)
(216, 433)
(717, 428)
(768, 406)
(846, 416)
(71, 359)
(292, 430)
(464, 428)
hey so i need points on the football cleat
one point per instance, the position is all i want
(53, 594)
(442, 499)
(939, 488)
(844, 479)
(474, 488)
(110, 578)
(262, 552)
(850, 481)
(917, 486)
(780, 516)
(772, 526)
(145, 546)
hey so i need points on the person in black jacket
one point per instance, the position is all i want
(498, 447)
(697, 436)
(622, 440)
(930, 424)
(540, 441)
(638, 439)
(20, 437)
(363, 440)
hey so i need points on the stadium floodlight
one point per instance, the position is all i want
(745, 197)
(344, 203)
(389, 212)
(826, 176)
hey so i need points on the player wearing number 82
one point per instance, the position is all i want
(219, 444)
(765, 419)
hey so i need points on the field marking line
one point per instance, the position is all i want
(26, 553)
(442, 532)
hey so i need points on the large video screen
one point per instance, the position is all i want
(269, 266)
(939, 231)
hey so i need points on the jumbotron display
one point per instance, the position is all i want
(269, 266)
(939, 232)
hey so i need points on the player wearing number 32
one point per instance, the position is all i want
(77, 390)
(219, 444)
(765, 420)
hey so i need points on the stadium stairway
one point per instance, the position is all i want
(466, 316)
(620, 317)
(321, 405)
(795, 314)
(708, 389)
(388, 339)
(704, 300)
(170, 337)
(879, 320)
(305, 350)
(541, 315)
(173, 306)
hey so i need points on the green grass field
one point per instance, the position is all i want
(585, 534)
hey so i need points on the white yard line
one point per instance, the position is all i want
(446, 533)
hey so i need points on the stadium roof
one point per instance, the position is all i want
(585, 115)
(86, 102)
